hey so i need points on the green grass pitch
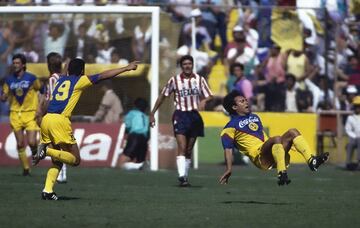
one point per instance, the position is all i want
(104, 197)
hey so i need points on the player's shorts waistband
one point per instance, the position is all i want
(22, 110)
(57, 114)
(179, 110)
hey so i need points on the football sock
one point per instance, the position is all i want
(187, 166)
(278, 153)
(132, 165)
(62, 174)
(52, 174)
(62, 156)
(303, 147)
(23, 158)
(180, 161)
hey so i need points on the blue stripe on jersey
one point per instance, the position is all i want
(58, 106)
(227, 141)
(94, 78)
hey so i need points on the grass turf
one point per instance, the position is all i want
(103, 197)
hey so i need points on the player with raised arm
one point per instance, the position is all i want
(54, 64)
(21, 88)
(245, 131)
(188, 89)
(57, 140)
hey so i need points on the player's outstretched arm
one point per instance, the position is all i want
(114, 72)
(228, 160)
(158, 103)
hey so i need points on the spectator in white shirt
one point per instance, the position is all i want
(56, 38)
(352, 129)
(290, 98)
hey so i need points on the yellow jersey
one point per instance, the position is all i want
(22, 92)
(245, 133)
(67, 92)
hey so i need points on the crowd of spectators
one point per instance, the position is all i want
(315, 77)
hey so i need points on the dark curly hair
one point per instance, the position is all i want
(229, 101)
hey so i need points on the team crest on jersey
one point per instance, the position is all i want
(194, 84)
(253, 126)
(19, 92)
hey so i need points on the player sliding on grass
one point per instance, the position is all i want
(245, 131)
(57, 140)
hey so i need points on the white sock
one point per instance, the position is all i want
(62, 174)
(64, 171)
(180, 161)
(132, 165)
(187, 166)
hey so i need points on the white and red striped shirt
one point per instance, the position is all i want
(51, 85)
(187, 91)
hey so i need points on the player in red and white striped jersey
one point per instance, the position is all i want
(191, 92)
(54, 62)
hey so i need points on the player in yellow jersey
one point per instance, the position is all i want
(57, 140)
(54, 63)
(21, 88)
(245, 131)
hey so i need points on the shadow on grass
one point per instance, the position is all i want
(253, 202)
(68, 198)
(352, 167)
(189, 187)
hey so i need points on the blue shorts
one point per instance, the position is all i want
(188, 123)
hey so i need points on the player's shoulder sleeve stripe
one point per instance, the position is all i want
(31, 77)
(230, 131)
(169, 87)
(37, 84)
(94, 78)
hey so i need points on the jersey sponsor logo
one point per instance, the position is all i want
(251, 119)
(189, 92)
(21, 85)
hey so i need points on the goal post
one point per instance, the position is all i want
(154, 11)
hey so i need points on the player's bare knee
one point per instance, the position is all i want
(181, 151)
(294, 132)
(32, 143)
(20, 144)
(77, 162)
(277, 139)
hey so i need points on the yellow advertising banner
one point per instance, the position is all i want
(276, 124)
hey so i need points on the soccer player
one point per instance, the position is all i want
(54, 64)
(21, 88)
(188, 88)
(245, 131)
(57, 140)
(137, 129)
